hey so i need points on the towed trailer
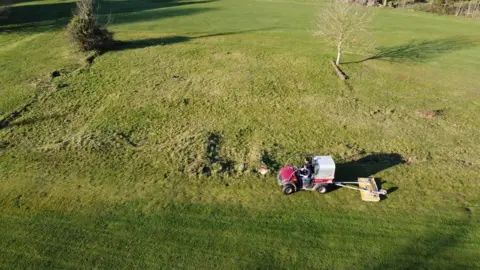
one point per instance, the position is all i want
(367, 186)
(318, 173)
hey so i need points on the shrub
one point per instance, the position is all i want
(439, 6)
(468, 8)
(84, 30)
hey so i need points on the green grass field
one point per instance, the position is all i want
(103, 166)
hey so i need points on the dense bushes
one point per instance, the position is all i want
(467, 8)
(84, 30)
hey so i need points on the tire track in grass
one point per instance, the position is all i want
(78, 247)
(174, 243)
(44, 88)
(15, 44)
(185, 233)
(35, 257)
(77, 136)
(115, 254)
(5, 122)
(112, 252)
(200, 221)
(190, 232)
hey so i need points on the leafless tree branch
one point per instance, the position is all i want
(345, 26)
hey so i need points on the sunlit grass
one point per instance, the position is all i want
(107, 168)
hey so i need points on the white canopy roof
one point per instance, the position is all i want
(323, 167)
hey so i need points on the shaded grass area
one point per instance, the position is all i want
(41, 11)
(51, 15)
(147, 156)
(217, 236)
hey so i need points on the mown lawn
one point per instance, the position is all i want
(105, 165)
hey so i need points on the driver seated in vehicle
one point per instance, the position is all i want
(306, 173)
(307, 163)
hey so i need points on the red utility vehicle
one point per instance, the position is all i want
(317, 173)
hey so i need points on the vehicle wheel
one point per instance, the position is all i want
(322, 189)
(288, 189)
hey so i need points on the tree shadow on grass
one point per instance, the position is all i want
(43, 17)
(149, 42)
(421, 50)
(162, 41)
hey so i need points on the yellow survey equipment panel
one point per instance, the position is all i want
(369, 190)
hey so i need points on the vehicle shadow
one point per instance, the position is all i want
(420, 50)
(366, 167)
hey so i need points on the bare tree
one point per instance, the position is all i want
(345, 26)
(468, 8)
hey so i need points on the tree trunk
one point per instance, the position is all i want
(339, 53)
(339, 72)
